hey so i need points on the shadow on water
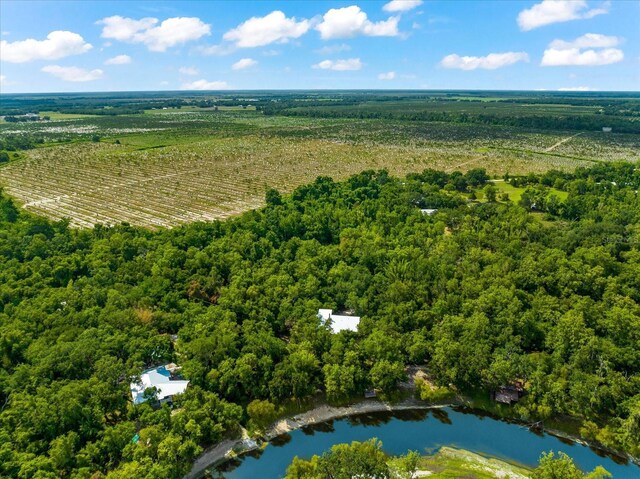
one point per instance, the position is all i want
(254, 453)
(442, 416)
(566, 441)
(540, 432)
(370, 419)
(229, 465)
(281, 440)
(311, 429)
(623, 461)
(414, 415)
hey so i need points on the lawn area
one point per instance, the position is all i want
(515, 193)
(455, 463)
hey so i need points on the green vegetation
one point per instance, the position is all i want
(450, 463)
(481, 294)
(536, 281)
(562, 467)
(211, 157)
(526, 110)
(367, 459)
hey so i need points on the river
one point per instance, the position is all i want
(424, 431)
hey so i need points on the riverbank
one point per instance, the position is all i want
(232, 447)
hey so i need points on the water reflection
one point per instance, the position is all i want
(370, 419)
(255, 453)
(311, 429)
(414, 430)
(229, 465)
(566, 441)
(281, 440)
(412, 415)
(441, 415)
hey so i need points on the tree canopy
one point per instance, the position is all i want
(480, 293)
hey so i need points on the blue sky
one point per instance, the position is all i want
(56, 46)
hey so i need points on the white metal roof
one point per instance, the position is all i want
(160, 378)
(339, 322)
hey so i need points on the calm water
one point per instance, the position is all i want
(424, 431)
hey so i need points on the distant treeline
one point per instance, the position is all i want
(538, 122)
(103, 111)
(18, 142)
(22, 119)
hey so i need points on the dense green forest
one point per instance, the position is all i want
(482, 293)
(622, 116)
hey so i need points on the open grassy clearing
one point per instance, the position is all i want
(450, 462)
(515, 193)
(177, 166)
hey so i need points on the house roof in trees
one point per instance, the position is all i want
(338, 322)
(160, 378)
(428, 211)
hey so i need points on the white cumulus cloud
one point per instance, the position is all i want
(387, 76)
(260, 31)
(556, 11)
(243, 63)
(3, 79)
(188, 71)
(118, 60)
(351, 21)
(350, 64)
(588, 40)
(489, 62)
(591, 49)
(157, 37)
(73, 74)
(205, 85)
(401, 5)
(58, 44)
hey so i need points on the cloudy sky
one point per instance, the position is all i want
(55, 46)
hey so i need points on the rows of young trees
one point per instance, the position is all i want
(481, 294)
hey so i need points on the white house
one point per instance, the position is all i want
(428, 211)
(159, 378)
(338, 322)
(606, 129)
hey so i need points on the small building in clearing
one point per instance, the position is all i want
(338, 322)
(163, 380)
(508, 394)
(428, 211)
(606, 129)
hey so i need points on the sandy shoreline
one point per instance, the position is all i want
(226, 448)
(230, 447)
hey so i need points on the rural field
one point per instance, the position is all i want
(165, 167)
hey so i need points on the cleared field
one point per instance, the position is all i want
(515, 193)
(210, 179)
(172, 167)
